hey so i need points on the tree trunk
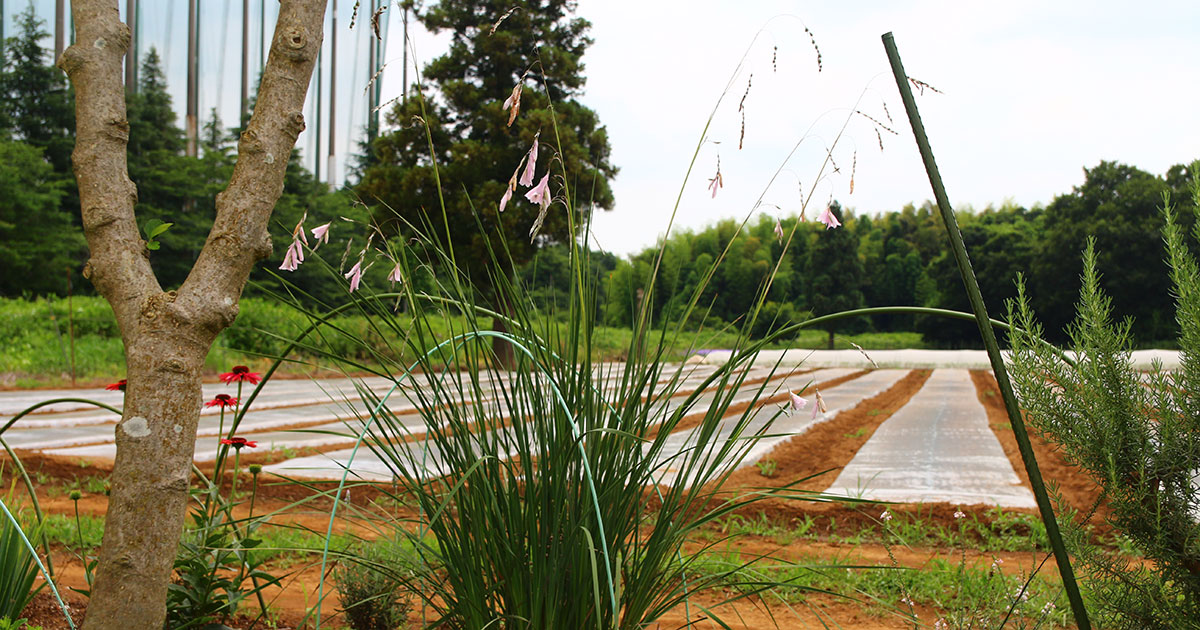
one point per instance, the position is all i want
(830, 346)
(168, 334)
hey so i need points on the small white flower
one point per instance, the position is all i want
(886, 516)
(959, 514)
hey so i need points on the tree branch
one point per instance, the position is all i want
(239, 236)
(118, 265)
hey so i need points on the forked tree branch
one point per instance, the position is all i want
(239, 236)
(118, 265)
(167, 335)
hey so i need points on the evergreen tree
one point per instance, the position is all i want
(1133, 432)
(166, 179)
(39, 236)
(151, 118)
(36, 102)
(38, 243)
(835, 275)
(476, 150)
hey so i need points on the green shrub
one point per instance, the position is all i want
(1135, 434)
(369, 589)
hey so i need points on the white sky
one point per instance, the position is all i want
(1034, 91)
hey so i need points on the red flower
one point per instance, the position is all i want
(241, 373)
(239, 442)
(118, 386)
(222, 401)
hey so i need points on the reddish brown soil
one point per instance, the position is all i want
(824, 449)
(1073, 486)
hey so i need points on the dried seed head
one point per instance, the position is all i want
(876, 122)
(921, 86)
(375, 21)
(742, 109)
(812, 38)
(497, 23)
(853, 168)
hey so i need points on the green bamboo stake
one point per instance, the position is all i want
(989, 339)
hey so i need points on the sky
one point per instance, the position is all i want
(1031, 93)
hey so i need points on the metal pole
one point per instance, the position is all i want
(245, 63)
(380, 50)
(262, 34)
(332, 90)
(131, 54)
(989, 340)
(371, 78)
(317, 129)
(404, 73)
(71, 327)
(193, 27)
(60, 27)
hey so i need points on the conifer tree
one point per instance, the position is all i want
(36, 102)
(38, 243)
(476, 149)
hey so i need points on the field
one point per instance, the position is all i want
(843, 562)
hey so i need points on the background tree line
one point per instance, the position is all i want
(897, 258)
(902, 259)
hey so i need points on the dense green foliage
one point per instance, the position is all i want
(903, 259)
(1134, 433)
(40, 242)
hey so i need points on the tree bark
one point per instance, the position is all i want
(167, 334)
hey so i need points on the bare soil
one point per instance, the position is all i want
(810, 461)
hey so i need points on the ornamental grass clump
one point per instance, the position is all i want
(1137, 434)
(549, 488)
(549, 494)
